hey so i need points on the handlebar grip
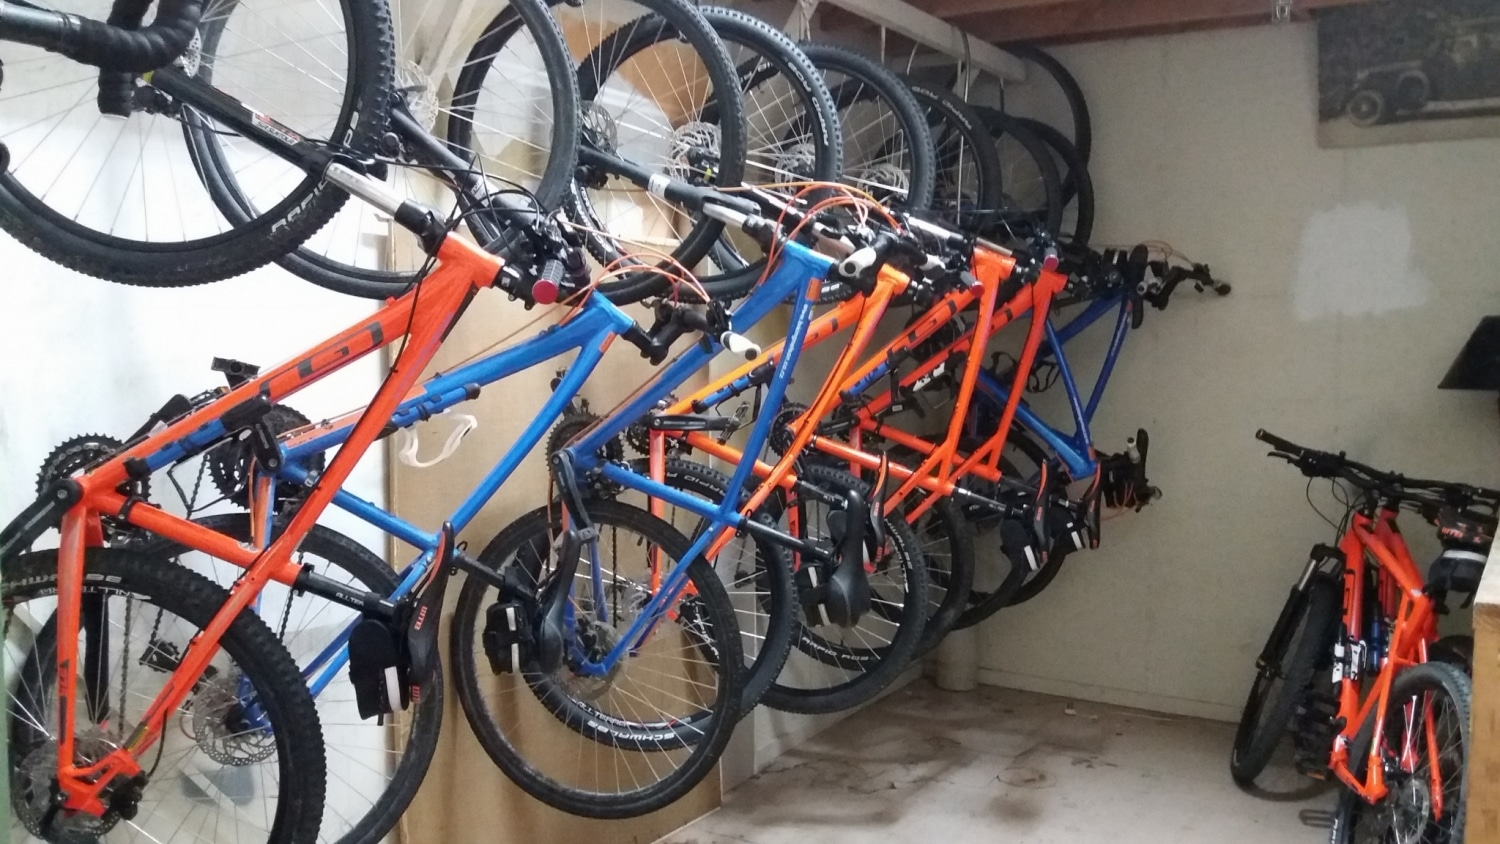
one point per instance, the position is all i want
(100, 44)
(1278, 443)
(548, 282)
(739, 344)
(868, 256)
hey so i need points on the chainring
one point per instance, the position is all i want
(782, 432)
(79, 454)
(229, 464)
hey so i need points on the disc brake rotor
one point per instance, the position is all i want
(32, 788)
(222, 725)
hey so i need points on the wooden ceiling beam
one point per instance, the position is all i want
(955, 8)
(1081, 20)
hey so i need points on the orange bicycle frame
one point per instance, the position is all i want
(462, 270)
(1400, 582)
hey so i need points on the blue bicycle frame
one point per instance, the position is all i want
(1075, 450)
(798, 272)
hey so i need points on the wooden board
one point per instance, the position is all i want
(1484, 751)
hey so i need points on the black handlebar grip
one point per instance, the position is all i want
(1278, 443)
(99, 44)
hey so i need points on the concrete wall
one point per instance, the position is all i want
(1357, 275)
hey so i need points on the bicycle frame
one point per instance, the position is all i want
(1076, 450)
(1415, 626)
(942, 465)
(462, 271)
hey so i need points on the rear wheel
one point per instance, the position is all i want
(658, 91)
(376, 767)
(968, 185)
(1424, 751)
(1033, 195)
(1284, 670)
(241, 759)
(127, 200)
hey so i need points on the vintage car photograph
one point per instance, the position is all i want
(1407, 71)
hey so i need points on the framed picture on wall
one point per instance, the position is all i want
(1403, 71)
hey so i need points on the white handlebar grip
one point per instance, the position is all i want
(740, 344)
(861, 260)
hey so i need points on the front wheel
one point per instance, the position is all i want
(604, 745)
(1303, 633)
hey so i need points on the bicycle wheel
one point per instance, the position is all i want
(375, 767)
(757, 575)
(1033, 188)
(947, 542)
(833, 668)
(1285, 668)
(241, 759)
(888, 150)
(1021, 460)
(1077, 223)
(794, 133)
(648, 731)
(1429, 709)
(1072, 105)
(513, 118)
(127, 200)
(659, 92)
(968, 167)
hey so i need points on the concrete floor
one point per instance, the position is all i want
(1001, 765)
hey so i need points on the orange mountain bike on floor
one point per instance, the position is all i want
(1350, 665)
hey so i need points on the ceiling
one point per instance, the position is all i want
(1061, 21)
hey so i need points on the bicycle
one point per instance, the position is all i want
(1394, 731)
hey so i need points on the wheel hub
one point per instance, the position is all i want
(223, 727)
(694, 152)
(884, 180)
(421, 98)
(599, 128)
(1411, 809)
(598, 639)
(35, 784)
(799, 160)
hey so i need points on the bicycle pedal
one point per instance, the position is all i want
(376, 670)
(508, 638)
(1313, 770)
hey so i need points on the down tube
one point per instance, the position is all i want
(795, 266)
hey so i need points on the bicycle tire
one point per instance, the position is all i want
(1430, 678)
(984, 601)
(959, 134)
(369, 573)
(247, 243)
(1032, 185)
(1280, 684)
(808, 145)
(1078, 107)
(254, 650)
(712, 727)
(532, 18)
(1077, 224)
(871, 669)
(947, 542)
(670, 21)
(765, 601)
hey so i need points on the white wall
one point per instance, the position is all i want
(1358, 274)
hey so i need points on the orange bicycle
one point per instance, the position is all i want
(1393, 726)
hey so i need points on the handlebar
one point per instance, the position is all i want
(1392, 485)
(104, 45)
